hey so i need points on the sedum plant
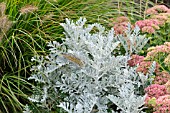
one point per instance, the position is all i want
(84, 71)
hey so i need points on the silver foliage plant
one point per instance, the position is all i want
(84, 68)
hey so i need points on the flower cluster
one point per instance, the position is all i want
(161, 78)
(159, 92)
(161, 13)
(145, 65)
(135, 59)
(162, 18)
(162, 104)
(157, 9)
(158, 96)
(147, 22)
(155, 90)
(159, 16)
(148, 25)
(121, 19)
(120, 24)
(153, 52)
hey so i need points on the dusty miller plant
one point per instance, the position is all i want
(84, 68)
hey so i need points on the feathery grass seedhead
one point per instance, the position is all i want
(5, 25)
(48, 16)
(28, 9)
(2, 8)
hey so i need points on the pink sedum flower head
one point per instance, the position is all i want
(161, 8)
(157, 9)
(153, 51)
(122, 19)
(161, 78)
(162, 104)
(120, 28)
(120, 24)
(151, 11)
(144, 67)
(150, 22)
(140, 23)
(135, 59)
(156, 90)
(148, 25)
(147, 22)
(148, 29)
(161, 19)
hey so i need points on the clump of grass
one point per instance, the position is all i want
(19, 44)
